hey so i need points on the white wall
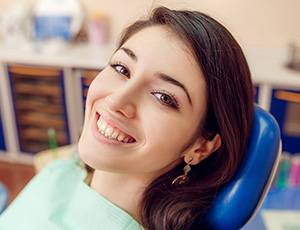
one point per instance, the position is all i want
(258, 23)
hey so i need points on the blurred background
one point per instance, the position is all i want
(50, 50)
(264, 23)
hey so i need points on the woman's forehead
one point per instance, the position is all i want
(161, 40)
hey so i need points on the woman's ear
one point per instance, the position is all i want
(201, 149)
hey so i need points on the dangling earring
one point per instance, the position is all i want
(183, 179)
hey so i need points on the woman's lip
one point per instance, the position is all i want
(107, 139)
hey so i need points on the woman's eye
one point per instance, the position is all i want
(121, 69)
(167, 100)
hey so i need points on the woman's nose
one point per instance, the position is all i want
(123, 102)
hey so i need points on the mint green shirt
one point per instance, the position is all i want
(58, 199)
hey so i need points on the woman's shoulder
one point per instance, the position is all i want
(58, 175)
(49, 192)
(58, 198)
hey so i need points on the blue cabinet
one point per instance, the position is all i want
(87, 76)
(285, 107)
(39, 104)
(2, 141)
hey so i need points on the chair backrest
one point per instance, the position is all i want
(3, 197)
(240, 199)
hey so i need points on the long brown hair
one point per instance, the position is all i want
(229, 113)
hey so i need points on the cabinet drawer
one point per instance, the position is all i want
(39, 104)
(285, 107)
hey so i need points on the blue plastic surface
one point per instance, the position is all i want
(237, 201)
(3, 197)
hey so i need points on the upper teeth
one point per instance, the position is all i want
(112, 132)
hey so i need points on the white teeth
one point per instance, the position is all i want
(111, 132)
(115, 134)
(102, 125)
(121, 137)
(126, 139)
(103, 128)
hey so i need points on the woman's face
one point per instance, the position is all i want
(149, 102)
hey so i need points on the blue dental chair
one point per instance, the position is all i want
(237, 203)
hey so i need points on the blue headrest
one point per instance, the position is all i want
(238, 200)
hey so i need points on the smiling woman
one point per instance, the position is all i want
(166, 126)
(144, 103)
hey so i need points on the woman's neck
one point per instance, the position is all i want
(123, 190)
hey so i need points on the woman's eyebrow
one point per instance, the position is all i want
(161, 76)
(171, 80)
(130, 53)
